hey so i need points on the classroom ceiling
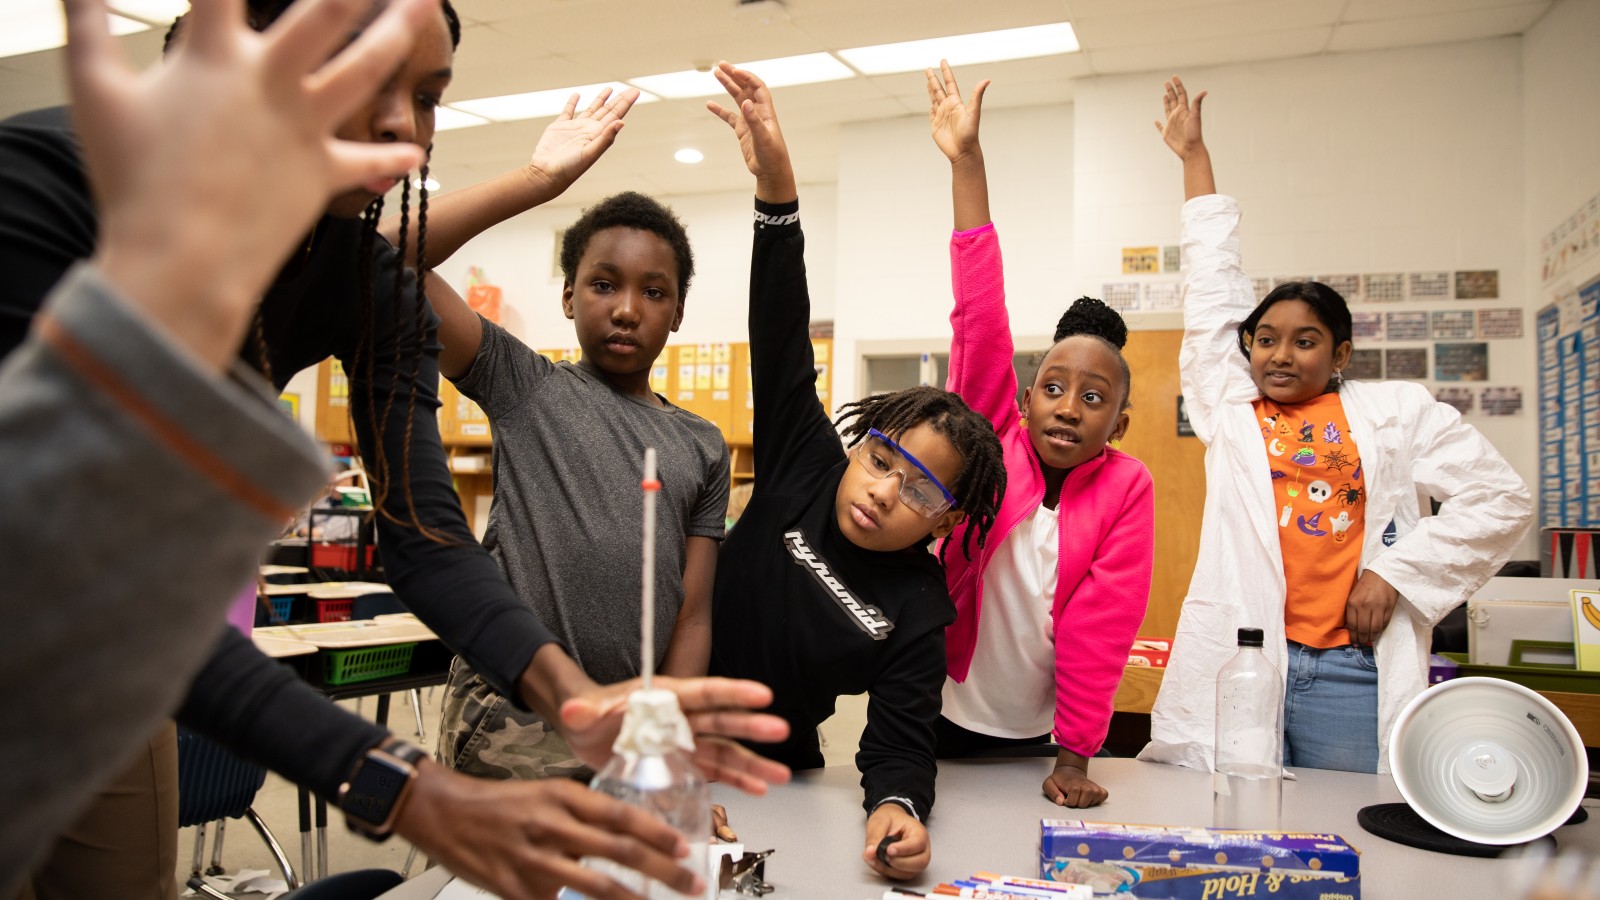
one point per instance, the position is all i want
(513, 46)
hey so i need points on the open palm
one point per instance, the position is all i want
(1182, 128)
(753, 119)
(954, 122)
(572, 143)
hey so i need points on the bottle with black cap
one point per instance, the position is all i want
(1247, 786)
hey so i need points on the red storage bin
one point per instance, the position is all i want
(334, 610)
(338, 556)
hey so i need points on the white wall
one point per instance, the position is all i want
(520, 257)
(894, 230)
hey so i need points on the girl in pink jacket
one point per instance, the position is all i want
(1047, 610)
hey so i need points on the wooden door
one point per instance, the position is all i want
(1177, 466)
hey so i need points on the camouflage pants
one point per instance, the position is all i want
(483, 734)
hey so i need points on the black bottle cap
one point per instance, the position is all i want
(1250, 637)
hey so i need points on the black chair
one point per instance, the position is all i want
(214, 786)
(362, 884)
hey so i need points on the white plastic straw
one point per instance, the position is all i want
(647, 600)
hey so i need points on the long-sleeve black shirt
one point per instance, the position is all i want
(312, 311)
(796, 604)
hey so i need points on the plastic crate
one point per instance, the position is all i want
(339, 556)
(366, 663)
(1540, 678)
(282, 608)
(334, 610)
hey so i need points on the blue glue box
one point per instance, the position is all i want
(1150, 861)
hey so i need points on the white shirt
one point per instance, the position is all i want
(1010, 690)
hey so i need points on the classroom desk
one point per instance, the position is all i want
(300, 647)
(988, 813)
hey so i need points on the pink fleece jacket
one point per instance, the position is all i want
(1107, 515)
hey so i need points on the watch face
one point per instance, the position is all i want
(374, 789)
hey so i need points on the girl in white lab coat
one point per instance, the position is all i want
(1312, 527)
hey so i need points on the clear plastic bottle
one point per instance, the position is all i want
(1247, 786)
(651, 768)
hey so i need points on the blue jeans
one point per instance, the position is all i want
(1330, 708)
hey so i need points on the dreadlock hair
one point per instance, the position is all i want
(982, 480)
(264, 12)
(629, 209)
(261, 14)
(1091, 317)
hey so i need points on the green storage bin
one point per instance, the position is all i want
(366, 663)
(1559, 678)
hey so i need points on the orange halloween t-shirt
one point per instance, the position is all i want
(1321, 499)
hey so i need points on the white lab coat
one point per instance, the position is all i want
(1411, 447)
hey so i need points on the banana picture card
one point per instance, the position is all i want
(1586, 628)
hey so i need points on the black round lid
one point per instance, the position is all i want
(1250, 637)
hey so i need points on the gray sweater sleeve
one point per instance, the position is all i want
(139, 489)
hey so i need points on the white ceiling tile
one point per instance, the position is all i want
(1364, 10)
(1168, 58)
(1436, 29)
(1199, 23)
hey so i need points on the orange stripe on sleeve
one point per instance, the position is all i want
(160, 426)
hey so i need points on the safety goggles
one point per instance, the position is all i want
(881, 457)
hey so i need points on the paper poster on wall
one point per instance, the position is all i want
(1460, 398)
(1141, 260)
(1409, 362)
(1365, 365)
(1285, 279)
(1429, 286)
(1501, 401)
(1454, 325)
(1368, 325)
(1166, 296)
(1387, 287)
(1586, 628)
(1262, 287)
(1348, 286)
(290, 404)
(1122, 296)
(1407, 326)
(1500, 323)
(1571, 241)
(1481, 284)
(1185, 427)
(1171, 259)
(658, 378)
(1461, 362)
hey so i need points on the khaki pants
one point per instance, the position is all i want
(125, 845)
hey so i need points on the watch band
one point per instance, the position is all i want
(379, 783)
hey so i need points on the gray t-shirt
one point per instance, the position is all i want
(566, 520)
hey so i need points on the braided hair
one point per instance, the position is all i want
(1091, 317)
(982, 480)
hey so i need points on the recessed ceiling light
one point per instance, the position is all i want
(447, 119)
(28, 26)
(431, 183)
(964, 49)
(689, 156)
(809, 68)
(539, 104)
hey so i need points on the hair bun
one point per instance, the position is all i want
(1090, 316)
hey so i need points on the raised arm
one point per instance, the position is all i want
(1181, 131)
(568, 147)
(955, 130)
(460, 329)
(754, 121)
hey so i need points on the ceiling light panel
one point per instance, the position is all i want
(964, 49)
(809, 68)
(539, 104)
(448, 119)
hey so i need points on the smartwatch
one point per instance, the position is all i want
(371, 797)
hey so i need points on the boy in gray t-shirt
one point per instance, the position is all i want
(569, 443)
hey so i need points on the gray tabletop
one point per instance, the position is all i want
(987, 819)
